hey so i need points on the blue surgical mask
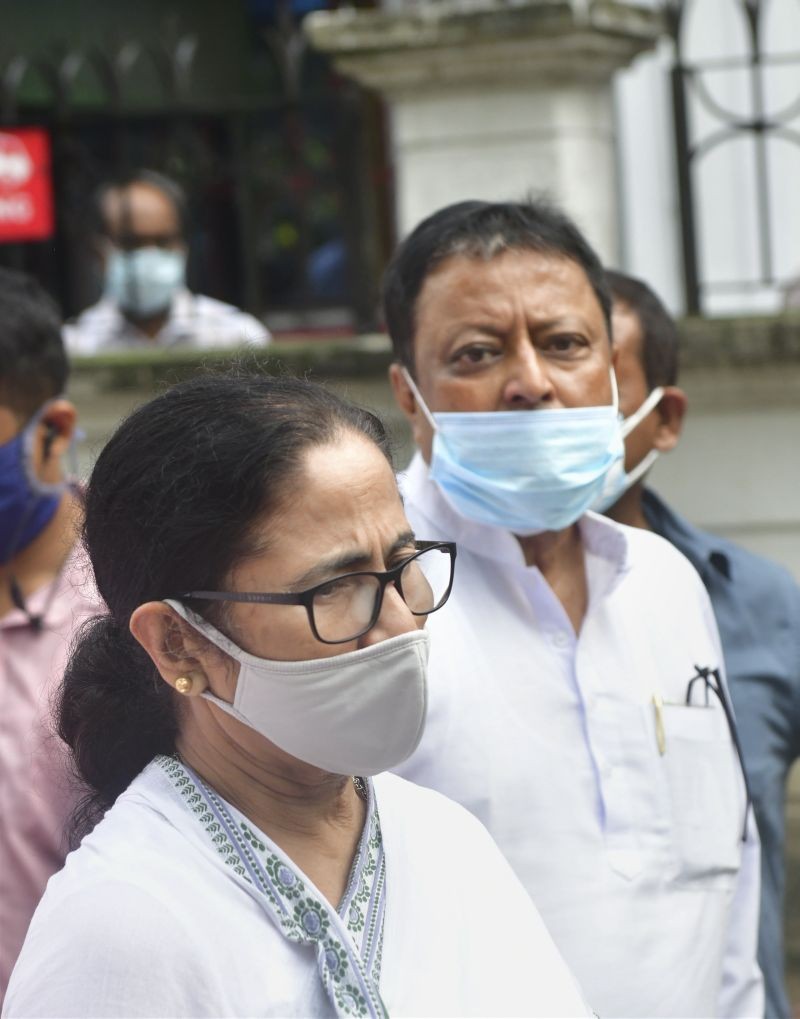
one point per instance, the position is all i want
(618, 480)
(27, 505)
(524, 471)
(144, 281)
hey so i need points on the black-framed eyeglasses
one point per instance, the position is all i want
(347, 607)
(712, 680)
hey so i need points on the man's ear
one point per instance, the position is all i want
(58, 426)
(175, 652)
(403, 396)
(671, 410)
(408, 403)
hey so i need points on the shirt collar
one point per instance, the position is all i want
(700, 548)
(603, 539)
(607, 551)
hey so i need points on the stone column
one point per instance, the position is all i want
(491, 99)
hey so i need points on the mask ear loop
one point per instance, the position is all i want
(641, 468)
(650, 404)
(614, 389)
(418, 397)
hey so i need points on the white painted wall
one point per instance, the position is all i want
(499, 143)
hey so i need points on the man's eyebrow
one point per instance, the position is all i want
(570, 320)
(477, 325)
(348, 562)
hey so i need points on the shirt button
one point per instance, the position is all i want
(561, 638)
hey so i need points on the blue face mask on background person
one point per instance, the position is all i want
(27, 505)
(144, 281)
(618, 480)
(525, 471)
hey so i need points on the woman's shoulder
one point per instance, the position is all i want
(89, 947)
(140, 921)
(424, 816)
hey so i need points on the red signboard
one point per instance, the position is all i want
(26, 193)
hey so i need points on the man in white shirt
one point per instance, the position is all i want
(145, 303)
(559, 676)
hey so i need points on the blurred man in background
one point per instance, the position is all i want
(756, 602)
(142, 246)
(44, 596)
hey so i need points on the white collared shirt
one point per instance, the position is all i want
(633, 857)
(194, 321)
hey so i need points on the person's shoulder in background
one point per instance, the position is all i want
(95, 329)
(214, 323)
(758, 580)
(195, 321)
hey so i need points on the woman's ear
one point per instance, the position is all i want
(671, 410)
(180, 660)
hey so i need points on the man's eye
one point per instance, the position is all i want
(475, 355)
(564, 344)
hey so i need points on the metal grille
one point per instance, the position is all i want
(705, 124)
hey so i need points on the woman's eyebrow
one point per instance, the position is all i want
(348, 562)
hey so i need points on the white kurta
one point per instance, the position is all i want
(147, 920)
(633, 857)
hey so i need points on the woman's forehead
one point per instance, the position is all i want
(343, 498)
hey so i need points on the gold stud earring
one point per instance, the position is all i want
(184, 684)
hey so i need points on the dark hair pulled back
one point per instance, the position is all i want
(172, 505)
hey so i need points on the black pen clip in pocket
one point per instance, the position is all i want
(712, 680)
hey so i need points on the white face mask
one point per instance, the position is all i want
(618, 480)
(143, 282)
(358, 713)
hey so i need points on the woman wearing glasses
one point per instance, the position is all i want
(262, 658)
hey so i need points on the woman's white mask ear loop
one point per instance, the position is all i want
(418, 396)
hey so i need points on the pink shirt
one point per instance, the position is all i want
(37, 794)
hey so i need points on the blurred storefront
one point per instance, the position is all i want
(281, 157)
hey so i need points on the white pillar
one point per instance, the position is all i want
(491, 99)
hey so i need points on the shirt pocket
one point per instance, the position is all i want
(706, 793)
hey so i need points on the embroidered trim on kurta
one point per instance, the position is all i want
(348, 941)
